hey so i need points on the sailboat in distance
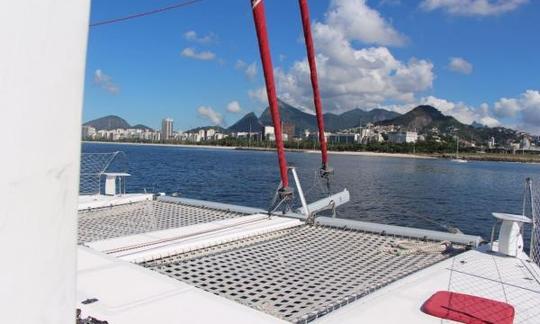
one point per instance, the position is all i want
(457, 159)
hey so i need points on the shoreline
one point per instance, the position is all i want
(379, 154)
(243, 148)
(442, 156)
(166, 145)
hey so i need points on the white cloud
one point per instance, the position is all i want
(250, 70)
(473, 7)
(357, 21)
(522, 112)
(240, 65)
(259, 95)
(525, 109)
(489, 121)
(531, 103)
(234, 107)
(350, 76)
(460, 65)
(462, 112)
(192, 35)
(105, 82)
(486, 116)
(194, 54)
(210, 114)
(507, 107)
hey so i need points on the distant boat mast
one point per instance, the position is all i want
(457, 147)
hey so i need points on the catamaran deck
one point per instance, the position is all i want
(276, 265)
(144, 216)
(482, 273)
(300, 273)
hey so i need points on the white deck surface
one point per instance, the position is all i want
(99, 201)
(130, 294)
(152, 245)
(511, 280)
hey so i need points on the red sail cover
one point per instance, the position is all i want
(468, 309)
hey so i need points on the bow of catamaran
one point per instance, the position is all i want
(101, 255)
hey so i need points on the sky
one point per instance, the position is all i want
(476, 60)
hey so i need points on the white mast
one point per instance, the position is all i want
(42, 65)
(457, 147)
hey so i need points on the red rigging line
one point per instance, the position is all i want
(264, 49)
(304, 9)
(146, 13)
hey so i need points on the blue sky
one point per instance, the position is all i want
(473, 59)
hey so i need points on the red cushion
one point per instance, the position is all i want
(468, 309)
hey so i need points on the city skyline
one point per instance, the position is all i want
(202, 69)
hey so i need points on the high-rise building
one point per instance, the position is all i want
(88, 132)
(166, 129)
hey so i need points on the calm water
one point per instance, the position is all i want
(409, 192)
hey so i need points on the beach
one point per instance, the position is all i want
(516, 158)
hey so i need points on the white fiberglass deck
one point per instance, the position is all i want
(515, 281)
(118, 292)
(337, 272)
(99, 201)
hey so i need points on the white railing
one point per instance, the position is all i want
(93, 167)
(534, 196)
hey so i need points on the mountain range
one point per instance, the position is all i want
(421, 119)
(302, 120)
(113, 122)
(425, 117)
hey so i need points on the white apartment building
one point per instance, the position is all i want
(167, 129)
(491, 143)
(344, 138)
(525, 143)
(210, 133)
(269, 133)
(88, 132)
(402, 137)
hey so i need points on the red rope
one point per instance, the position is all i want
(142, 14)
(314, 80)
(264, 49)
